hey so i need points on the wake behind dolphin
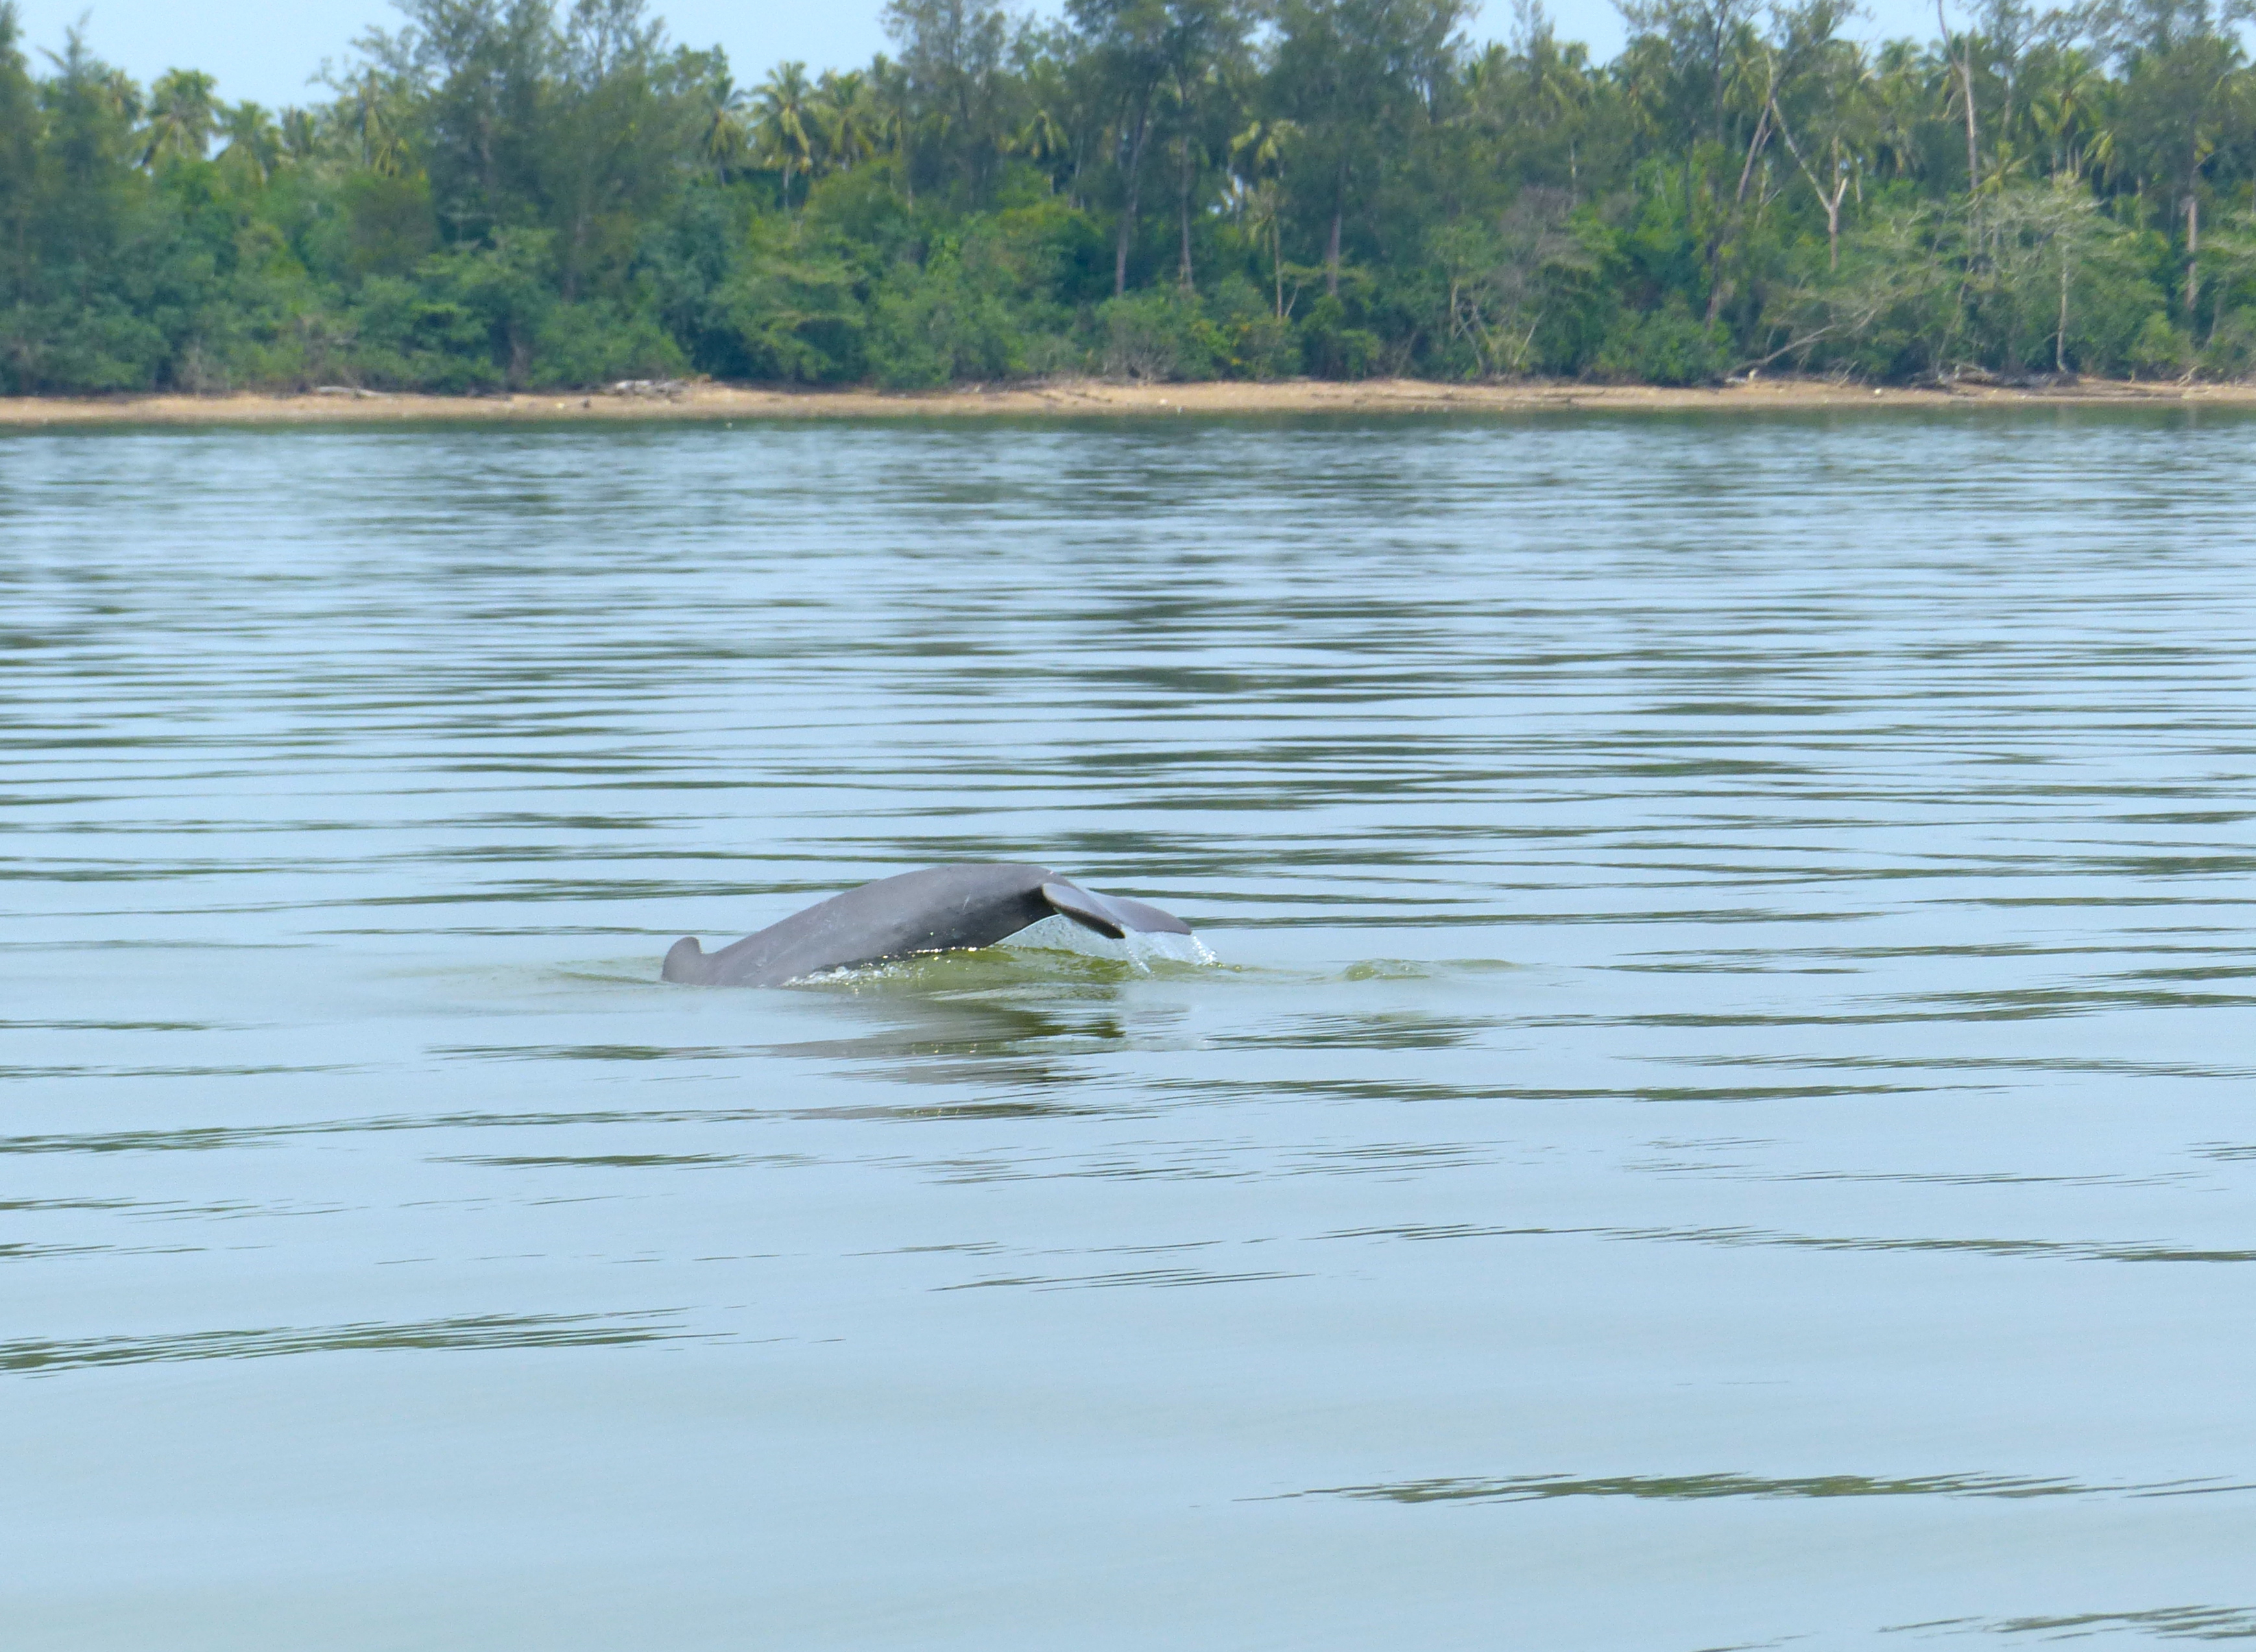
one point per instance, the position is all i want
(935, 910)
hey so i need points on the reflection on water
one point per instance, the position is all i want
(1738, 1236)
(2164, 1623)
(1730, 934)
(483, 1331)
(1675, 1488)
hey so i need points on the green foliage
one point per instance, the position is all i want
(2231, 352)
(1515, 295)
(2038, 282)
(382, 224)
(1248, 340)
(1667, 346)
(1332, 346)
(784, 319)
(405, 337)
(1158, 337)
(541, 194)
(934, 325)
(598, 342)
(864, 214)
(69, 346)
(2160, 350)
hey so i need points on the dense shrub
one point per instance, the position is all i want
(932, 325)
(1667, 346)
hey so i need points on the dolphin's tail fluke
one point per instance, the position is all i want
(1085, 907)
(1149, 920)
(1112, 915)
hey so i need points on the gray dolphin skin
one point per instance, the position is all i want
(935, 910)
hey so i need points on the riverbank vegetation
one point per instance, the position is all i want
(505, 194)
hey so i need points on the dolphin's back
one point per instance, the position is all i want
(927, 911)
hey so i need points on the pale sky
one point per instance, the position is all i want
(268, 49)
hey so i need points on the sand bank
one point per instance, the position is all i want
(1091, 398)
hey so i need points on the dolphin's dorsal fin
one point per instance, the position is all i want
(1084, 908)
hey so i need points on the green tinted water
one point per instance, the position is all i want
(1725, 1115)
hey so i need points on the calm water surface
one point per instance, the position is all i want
(1727, 1116)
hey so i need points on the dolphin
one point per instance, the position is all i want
(969, 904)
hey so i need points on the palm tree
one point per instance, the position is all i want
(727, 137)
(1259, 151)
(1042, 141)
(371, 110)
(1904, 90)
(2067, 111)
(254, 143)
(1263, 207)
(117, 92)
(890, 123)
(301, 134)
(1257, 160)
(787, 123)
(846, 118)
(182, 114)
(1554, 79)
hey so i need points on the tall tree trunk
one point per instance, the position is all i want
(1137, 134)
(486, 165)
(2193, 247)
(1973, 138)
(1127, 236)
(1965, 68)
(1332, 243)
(1830, 201)
(1183, 205)
(1718, 290)
(1186, 176)
(1190, 281)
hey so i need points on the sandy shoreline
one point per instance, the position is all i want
(1092, 397)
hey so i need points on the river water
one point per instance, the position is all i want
(1724, 1113)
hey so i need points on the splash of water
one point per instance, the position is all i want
(1057, 934)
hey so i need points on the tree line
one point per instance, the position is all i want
(528, 194)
